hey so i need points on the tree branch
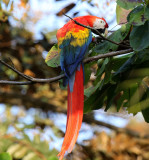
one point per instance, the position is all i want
(110, 54)
(98, 33)
(6, 82)
(32, 80)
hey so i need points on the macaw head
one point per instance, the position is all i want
(98, 23)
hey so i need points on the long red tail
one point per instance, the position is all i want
(74, 113)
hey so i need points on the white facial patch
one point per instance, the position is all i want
(99, 24)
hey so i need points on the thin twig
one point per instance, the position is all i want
(32, 80)
(93, 29)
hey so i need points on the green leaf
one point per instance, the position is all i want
(53, 57)
(117, 36)
(110, 96)
(132, 93)
(121, 15)
(139, 37)
(137, 16)
(91, 90)
(110, 65)
(97, 99)
(102, 68)
(145, 113)
(134, 97)
(129, 4)
(143, 105)
(5, 156)
(92, 102)
(108, 72)
(121, 98)
(145, 110)
(139, 59)
(87, 72)
(118, 61)
(146, 14)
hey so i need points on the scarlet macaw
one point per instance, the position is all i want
(73, 41)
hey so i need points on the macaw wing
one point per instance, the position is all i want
(73, 41)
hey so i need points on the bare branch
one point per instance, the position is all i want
(32, 80)
(110, 54)
(93, 29)
(6, 82)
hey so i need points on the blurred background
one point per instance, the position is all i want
(33, 117)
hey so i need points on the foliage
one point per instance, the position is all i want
(126, 81)
(124, 85)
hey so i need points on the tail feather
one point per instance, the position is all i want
(74, 113)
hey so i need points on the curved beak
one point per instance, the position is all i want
(102, 31)
(106, 32)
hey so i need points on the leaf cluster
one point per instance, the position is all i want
(122, 81)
